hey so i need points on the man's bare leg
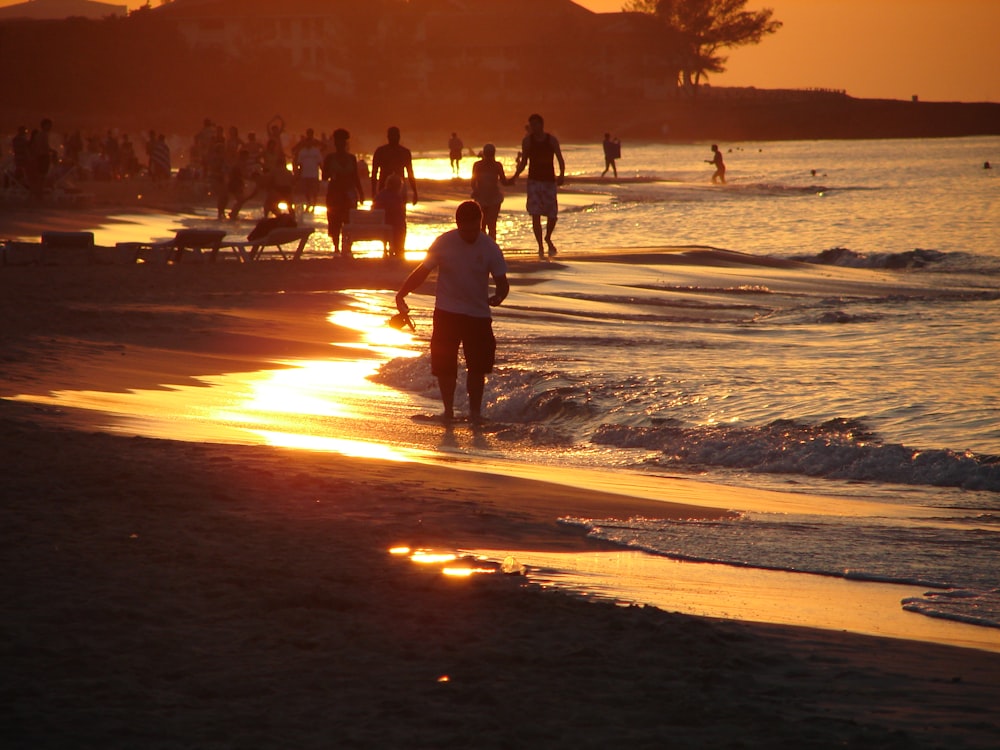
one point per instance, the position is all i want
(446, 384)
(536, 225)
(475, 385)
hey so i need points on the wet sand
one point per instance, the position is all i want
(174, 594)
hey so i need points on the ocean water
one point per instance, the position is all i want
(830, 335)
(849, 351)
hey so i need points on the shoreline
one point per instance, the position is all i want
(259, 579)
(171, 594)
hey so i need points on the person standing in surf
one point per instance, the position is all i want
(466, 259)
(538, 149)
(720, 166)
(612, 152)
(487, 177)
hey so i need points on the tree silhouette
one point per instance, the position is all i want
(695, 31)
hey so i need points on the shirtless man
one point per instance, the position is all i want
(538, 150)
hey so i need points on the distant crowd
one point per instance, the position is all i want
(35, 162)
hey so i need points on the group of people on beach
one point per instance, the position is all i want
(38, 164)
(466, 258)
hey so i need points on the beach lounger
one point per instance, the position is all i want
(366, 226)
(276, 238)
(194, 242)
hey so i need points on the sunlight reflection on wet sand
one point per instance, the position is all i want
(332, 405)
(752, 594)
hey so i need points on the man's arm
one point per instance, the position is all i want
(559, 157)
(408, 168)
(413, 281)
(522, 160)
(503, 289)
(376, 168)
(357, 181)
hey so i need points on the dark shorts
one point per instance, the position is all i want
(474, 334)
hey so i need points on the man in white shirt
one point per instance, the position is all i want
(466, 259)
(307, 163)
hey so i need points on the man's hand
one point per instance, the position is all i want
(495, 300)
(401, 303)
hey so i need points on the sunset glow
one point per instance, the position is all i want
(890, 49)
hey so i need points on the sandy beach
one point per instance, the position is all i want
(164, 594)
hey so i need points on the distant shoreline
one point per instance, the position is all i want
(715, 115)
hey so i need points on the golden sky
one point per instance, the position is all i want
(892, 49)
(938, 50)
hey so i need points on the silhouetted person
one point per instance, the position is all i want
(487, 177)
(455, 147)
(202, 151)
(275, 128)
(393, 158)
(159, 159)
(343, 191)
(538, 150)
(276, 179)
(255, 149)
(236, 182)
(612, 151)
(466, 259)
(21, 146)
(308, 159)
(234, 144)
(720, 167)
(40, 160)
(218, 179)
(392, 201)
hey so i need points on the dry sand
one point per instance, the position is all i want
(162, 594)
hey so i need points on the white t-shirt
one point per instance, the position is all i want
(464, 271)
(309, 159)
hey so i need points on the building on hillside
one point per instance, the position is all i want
(319, 38)
(451, 51)
(49, 10)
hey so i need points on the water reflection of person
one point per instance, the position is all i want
(465, 259)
